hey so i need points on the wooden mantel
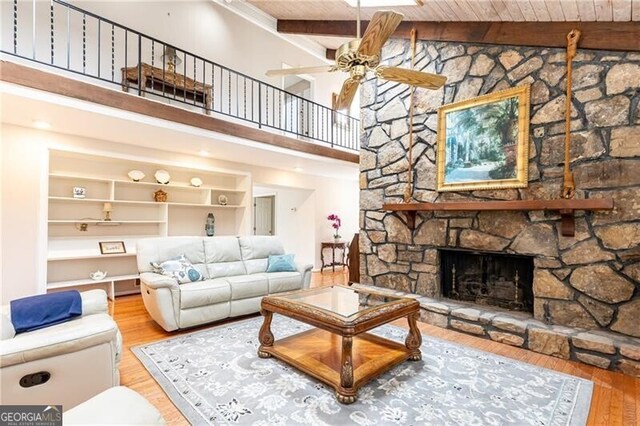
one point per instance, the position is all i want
(565, 207)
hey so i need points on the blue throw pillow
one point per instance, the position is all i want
(281, 263)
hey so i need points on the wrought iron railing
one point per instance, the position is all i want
(69, 38)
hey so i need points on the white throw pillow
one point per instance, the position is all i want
(179, 268)
(7, 327)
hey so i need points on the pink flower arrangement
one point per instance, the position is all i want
(336, 223)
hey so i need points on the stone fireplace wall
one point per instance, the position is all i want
(587, 281)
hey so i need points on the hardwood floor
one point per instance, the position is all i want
(616, 397)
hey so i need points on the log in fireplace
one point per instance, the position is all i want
(487, 278)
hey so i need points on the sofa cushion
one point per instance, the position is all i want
(164, 248)
(222, 256)
(204, 293)
(257, 249)
(284, 281)
(179, 268)
(117, 405)
(245, 286)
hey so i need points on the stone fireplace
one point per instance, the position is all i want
(586, 282)
(487, 279)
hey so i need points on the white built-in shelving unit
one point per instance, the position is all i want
(77, 225)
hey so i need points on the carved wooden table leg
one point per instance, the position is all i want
(265, 337)
(414, 339)
(346, 394)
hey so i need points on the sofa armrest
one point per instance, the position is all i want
(305, 270)
(156, 281)
(70, 336)
(94, 302)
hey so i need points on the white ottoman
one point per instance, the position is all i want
(115, 406)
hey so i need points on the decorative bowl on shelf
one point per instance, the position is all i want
(162, 176)
(223, 200)
(136, 175)
(98, 275)
(196, 181)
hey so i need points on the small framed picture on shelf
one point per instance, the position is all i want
(79, 192)
(112, 247)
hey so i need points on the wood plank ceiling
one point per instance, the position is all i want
(464, 10)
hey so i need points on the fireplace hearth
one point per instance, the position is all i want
(487, 278)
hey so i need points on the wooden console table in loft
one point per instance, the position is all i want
(566, 208)
(169, 83)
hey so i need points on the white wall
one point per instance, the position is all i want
(295, 215)
(24, 191)
(24, 169)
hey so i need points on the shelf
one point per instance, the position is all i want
(89, 281)
(104, 222)
(64, 176)
(169, 203)
(565, 207)
(177, 186)
(211, 206)
(85, 254)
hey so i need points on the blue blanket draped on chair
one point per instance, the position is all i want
(44, 310)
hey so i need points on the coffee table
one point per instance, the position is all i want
(338, 350)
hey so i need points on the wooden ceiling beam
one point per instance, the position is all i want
(331, 54)
(623, 36)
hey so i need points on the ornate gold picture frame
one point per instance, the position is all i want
(483, 143)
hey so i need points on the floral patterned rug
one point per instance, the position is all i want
(215, 377)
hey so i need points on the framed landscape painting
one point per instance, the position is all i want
(483, 143)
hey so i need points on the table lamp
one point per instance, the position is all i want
(171, 58)
(107, 208)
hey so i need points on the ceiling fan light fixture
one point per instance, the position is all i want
(384, 3)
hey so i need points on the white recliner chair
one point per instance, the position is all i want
(63, 364)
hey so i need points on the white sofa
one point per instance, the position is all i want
(235, 272)
(81, 356)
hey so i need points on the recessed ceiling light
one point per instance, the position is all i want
(41, 124)
(203, 153)
(383, 3)
(298, 169)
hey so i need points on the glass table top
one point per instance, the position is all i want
(343, 301)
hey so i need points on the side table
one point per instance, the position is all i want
(333, 246)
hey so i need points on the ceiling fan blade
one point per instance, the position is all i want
(412, 77)
(380, 28)
(297, 71)
(349, 89)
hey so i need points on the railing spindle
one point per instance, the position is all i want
(99, 47)
(15, 27)
(141, 85)
(113, 52)
(52, 46)
(195, 81)
(84, 43)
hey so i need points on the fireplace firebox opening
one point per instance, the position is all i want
(487, 278)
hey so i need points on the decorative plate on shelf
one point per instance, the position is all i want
(196, 181)
(136, 175)
(162, 176)
(223, 200)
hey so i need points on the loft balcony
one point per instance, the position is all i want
(60, 48)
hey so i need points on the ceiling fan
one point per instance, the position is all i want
(361, 55)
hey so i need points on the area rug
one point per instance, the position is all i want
(215, 377)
